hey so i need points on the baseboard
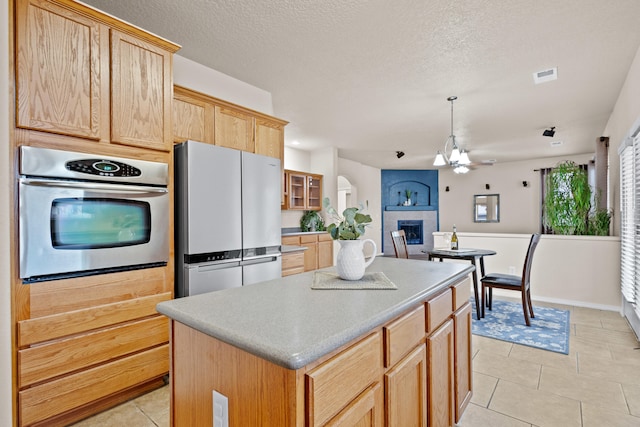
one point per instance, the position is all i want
(575, 303)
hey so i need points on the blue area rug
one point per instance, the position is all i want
(549, 330)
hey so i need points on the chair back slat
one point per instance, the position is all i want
(399, 240)
(528, 261)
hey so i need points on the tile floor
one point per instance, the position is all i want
(597, 384)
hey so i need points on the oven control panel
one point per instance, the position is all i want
(103, 168)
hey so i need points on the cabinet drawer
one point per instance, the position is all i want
(293, 260)
(402, 335)
(63, 394)
(308, 238)
(326, 237)
(439, 310)
(332, 385)
(55, 358)
(291, 240)
(461, 293)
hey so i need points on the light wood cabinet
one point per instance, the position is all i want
(204, 118)
(62, 71)
(319, 253)
(233, 129)
(440, 376)
(84, 74)
(292, 263)
(396, 375)
(463, 373)
(141, 93)
(303, 191)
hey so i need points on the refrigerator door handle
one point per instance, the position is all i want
(212, 267)
(260, 260)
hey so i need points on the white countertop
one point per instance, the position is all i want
(290, 324)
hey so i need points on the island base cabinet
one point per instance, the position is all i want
(406, 387)
(440, 376)
(364, 411)
(462, 324)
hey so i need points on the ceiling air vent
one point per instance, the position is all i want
(545, 75)
(556, 143)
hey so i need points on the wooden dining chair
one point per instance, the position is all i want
(399, 240)
(514, 283)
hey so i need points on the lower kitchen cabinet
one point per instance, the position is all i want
(364, 411)
(406, 386)
(463, 374)
(319, 253)
(440, 376)
(292, 263)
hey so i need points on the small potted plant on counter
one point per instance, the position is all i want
(350, 263)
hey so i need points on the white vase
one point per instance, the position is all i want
(351, 264)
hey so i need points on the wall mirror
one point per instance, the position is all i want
(486, 208)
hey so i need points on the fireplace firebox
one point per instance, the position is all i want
(412, 230)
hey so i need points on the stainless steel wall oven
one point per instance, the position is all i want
(83, 214)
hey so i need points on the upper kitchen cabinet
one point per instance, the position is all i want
(141, 77)
(192, 117)
(233, 129)
(85, 74)
(303, 191)
(204, 118)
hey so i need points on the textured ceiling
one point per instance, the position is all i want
(373, 77)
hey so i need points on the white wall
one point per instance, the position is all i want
(519, 205)
(5, 230)
(211, 82)
(367, 179)
(625, 114)
(577, 270)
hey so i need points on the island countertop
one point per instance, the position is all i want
(286, 322)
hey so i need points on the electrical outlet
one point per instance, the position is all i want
(512, 270)
(220, 410)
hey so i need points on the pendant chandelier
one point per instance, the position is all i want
(458, 159)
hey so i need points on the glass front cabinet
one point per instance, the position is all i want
(303, 191)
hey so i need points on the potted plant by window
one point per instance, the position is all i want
(350, 263)
(567, 205)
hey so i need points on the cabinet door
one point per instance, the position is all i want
(311, 256)
(463, 373)
(297, 191)
(364, 411)
(62, 71)
(406, 391)
(192, 119)
(141, 92)
(314, 192)
(233, 129)
(269, 139)
(440, 376)
(325, 251)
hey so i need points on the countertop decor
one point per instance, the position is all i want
(326, 280)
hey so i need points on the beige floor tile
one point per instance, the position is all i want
(610, 370)
(632, 395)
(477, 416)
(126, 414)
(625, 354)
(483, 387)
(596, 391)
(544, 357)
(514, 370)
(596, 416)
(155, 405)
(617, 324)
(490, 345)
(585, 316)
(535, 406)
(589, 333)
(579, 346)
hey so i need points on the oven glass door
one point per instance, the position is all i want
(91, 223)
(76, 228)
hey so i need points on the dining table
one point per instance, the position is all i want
(475, 256)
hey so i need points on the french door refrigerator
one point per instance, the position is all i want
(227, 216)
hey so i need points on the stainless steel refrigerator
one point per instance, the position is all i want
(227, 216)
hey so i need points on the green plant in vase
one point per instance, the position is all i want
(350, 226)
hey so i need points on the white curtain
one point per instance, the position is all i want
(627, 220)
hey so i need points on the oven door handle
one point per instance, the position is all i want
(97, 186)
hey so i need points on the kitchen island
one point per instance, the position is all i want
(288, 355)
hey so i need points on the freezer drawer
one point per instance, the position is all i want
(261, 270)
(208, 278)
